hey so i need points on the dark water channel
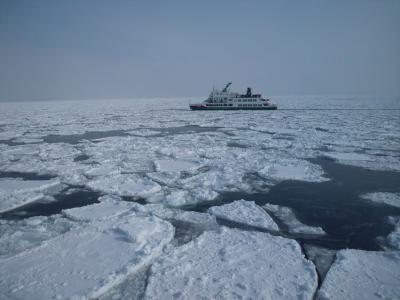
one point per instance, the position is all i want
(64, 200)
(335, 205)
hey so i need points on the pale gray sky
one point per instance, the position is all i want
(126, 49)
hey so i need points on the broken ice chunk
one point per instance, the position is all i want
(245, 212)
(233, 264)
(287, 216)
(392, 199)
(87, 261)
(358, 274)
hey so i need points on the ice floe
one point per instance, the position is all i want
(293, 170)
(20, 235)
(245, 212)
(233, 264)
(287, 216)
(16, 192)
(125, 185)
(171, 165)
(358, 274)
(87, 261)
(392, 199)
(392, 241)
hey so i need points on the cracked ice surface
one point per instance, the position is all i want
(19, 236)
(245, 212)
(87, 261)
(358, 274)
(233, 264)
(287, 216)
(190, 154)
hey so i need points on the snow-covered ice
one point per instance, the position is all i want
(125, 185)
(293, 170)
(392, 241)
(233, 264)
(287, 216)
(87, 261)
(392, 199)
(20, 235)
(358, 274)
(17, 192)
(245, 212)
(170, 165)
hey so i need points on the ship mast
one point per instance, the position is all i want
(226, 87)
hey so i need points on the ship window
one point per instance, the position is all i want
(240, 100)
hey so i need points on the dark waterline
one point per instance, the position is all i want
(25, 175)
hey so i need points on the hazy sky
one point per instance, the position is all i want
(126, 49)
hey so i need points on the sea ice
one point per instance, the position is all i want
(393, 239)
(108, 208)
(125, 185)
(233, 264)
(358, 274)
(392, 199)
(287, 216)
(245, 212)
(170, 165)
(293, 170)
(87, 261)
(16, 192)
(21, 235)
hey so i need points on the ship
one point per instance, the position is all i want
(226, 100)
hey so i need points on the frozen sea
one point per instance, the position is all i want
(145, 199)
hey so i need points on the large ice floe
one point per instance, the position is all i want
(233, 264)
(392, 199)
(17, 192)
(245, 212)
(293, 170)
(358, 274)
(87, 261)
(287, 216)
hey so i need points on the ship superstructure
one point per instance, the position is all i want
(226, 100)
